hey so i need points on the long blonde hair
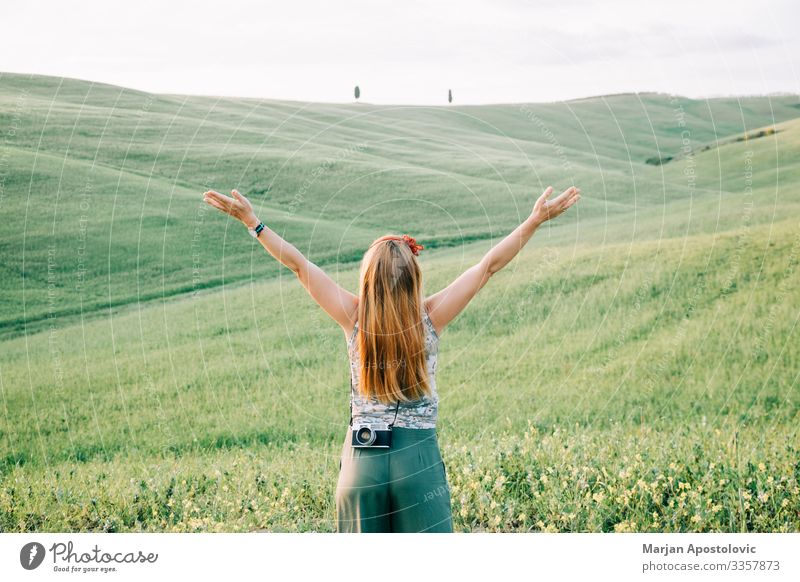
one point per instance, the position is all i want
(391, 337)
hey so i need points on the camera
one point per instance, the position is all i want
(372, 436)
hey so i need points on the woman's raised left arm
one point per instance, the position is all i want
(337, 302)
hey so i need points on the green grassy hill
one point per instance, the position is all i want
(102, 183)
(636, 368)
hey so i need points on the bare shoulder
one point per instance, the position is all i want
(429, 307)
(351, 325)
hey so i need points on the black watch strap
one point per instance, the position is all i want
(259, 228)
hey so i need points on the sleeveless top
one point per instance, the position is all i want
(420, 413)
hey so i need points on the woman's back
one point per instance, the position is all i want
(421, 413)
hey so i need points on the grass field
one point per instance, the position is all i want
(634, 369)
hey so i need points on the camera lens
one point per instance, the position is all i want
(365, 435)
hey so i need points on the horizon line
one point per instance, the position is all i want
(359, 102)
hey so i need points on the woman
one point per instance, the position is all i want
(392, 478)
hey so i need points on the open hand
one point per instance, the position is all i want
(546, 209)
(238, 207)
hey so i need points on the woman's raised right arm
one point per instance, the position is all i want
(445, 305)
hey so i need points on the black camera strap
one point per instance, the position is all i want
(351, 402)
(396, 409)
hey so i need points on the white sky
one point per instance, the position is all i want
(409, 51)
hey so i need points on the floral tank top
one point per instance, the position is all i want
(421, 413)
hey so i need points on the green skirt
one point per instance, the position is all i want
(400, 489)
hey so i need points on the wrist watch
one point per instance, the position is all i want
(254, 232)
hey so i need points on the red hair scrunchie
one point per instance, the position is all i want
(412, 244)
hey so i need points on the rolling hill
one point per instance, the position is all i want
(160, 372)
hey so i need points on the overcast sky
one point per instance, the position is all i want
(486, 51)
